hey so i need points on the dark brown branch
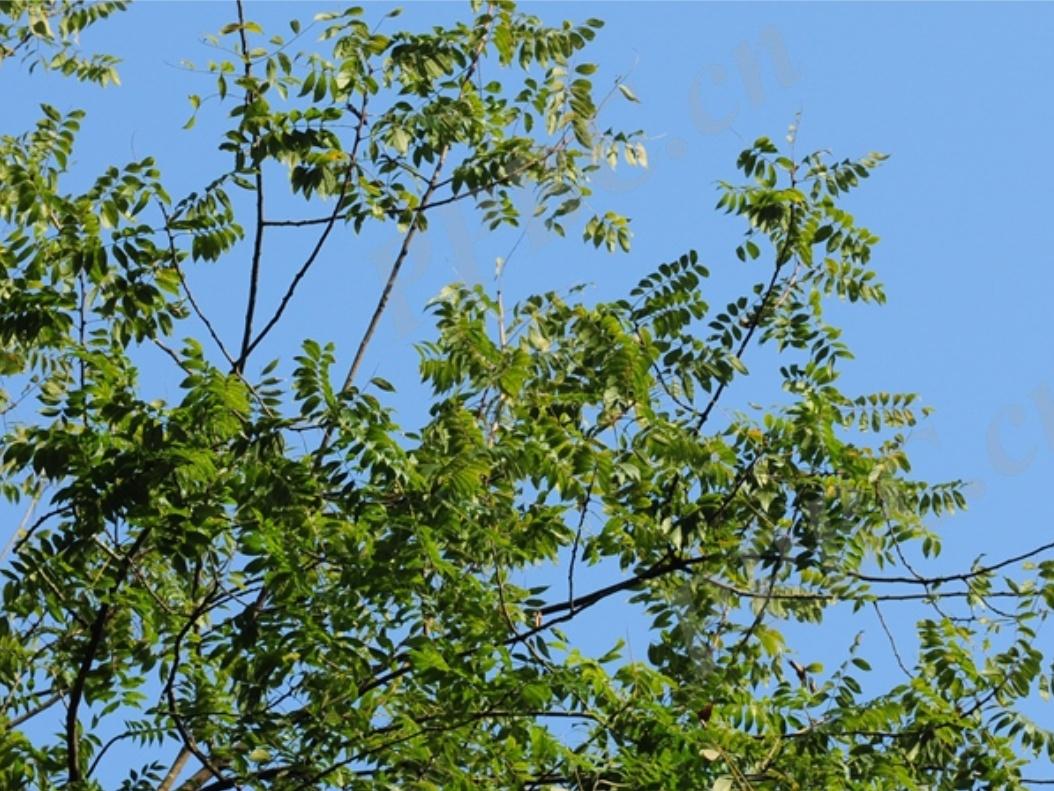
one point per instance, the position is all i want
(7, 52)
(106, 748)
(98, 628)
(254, 267)
(28, 532)
(664, 566)
(659, 569)
(766, 600)
(274, 772)
(195, 781)
(962, 577)
(580, 604)
(563, 614)
(558, 145)
(298, 223)
(782, 256)
(892, 640)
(271, 773)
(583, 508)
(503, 181)
(330, 222)
(671, 567)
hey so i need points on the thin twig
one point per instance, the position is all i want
(173, 255)
(962, 577)
(393, 275)
(169, 690)
(23, 534)
(892, 641)
(755, 321)
(583, 509)
(766, 600)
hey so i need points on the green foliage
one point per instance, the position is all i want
(273, 585)
(44, 33)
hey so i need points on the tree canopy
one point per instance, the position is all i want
(271, 583)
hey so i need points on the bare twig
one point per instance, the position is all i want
(892, 641)
(782, 256)
(22, 534)
(766, 600)
(961, 577)
(393, 275)
(404, 248)
(194, 306)
(582, 510)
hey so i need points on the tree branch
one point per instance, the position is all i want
(14, 722)
(175, 769)
(782, 256)
(187, 292)
(404, 249)
(962, 577)
(95, 637)
(329, 222)
(254, 268)
(892, 641)
(169, 692)
(393, 275)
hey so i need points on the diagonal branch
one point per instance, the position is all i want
(782, 256)
(393, 275)
(892, 640)
(50, 701)
(404, 249)
(173, 255)
(173, 772)
(583, 508)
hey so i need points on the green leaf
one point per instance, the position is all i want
(428, 658)
(400, 139)
(627, 92)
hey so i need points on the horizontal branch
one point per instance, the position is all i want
(961, 577)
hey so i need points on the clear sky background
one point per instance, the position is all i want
(959, 94)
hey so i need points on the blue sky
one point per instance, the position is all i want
(958, 94)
